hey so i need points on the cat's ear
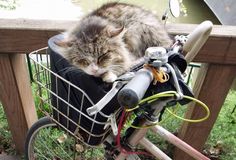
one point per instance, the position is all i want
(113, 32)
(63, 43)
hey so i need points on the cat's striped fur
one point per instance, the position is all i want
(109, 39)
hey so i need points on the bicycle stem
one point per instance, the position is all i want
(139, 138)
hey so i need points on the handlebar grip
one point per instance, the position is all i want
(133, 92)
(197, 39)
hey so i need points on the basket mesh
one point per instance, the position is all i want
(64, 93)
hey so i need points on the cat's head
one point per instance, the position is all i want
(96, 46)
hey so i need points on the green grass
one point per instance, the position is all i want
(221, 143)
(222, 136)
(40, 103)
(6, 144)
(224, 130)
(47, 145)
(170, 123)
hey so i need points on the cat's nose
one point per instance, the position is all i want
(94, 69)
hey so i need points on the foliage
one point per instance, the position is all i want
(40, 99)
(221, 144)
(223, 134)
(52, 143)
(6, 144)
(183, 9)
(8, 4)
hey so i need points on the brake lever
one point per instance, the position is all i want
(106, 99)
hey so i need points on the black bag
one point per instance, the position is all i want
(73, 116)
(75, 119)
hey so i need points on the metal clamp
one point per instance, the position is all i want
(112, 122)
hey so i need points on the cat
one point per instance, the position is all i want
(107, 41)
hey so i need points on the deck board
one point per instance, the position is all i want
(6, 157)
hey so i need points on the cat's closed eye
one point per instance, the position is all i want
(103, 58)
(107, 41)
(83, 62)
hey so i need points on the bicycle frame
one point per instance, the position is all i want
(195, 41)
(138, 137)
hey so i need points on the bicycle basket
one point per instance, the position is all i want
(65, 93)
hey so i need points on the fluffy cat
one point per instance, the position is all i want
(107, 41)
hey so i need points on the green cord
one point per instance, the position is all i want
(193, 120)
(171, 94)
(157, 123)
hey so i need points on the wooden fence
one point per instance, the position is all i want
(20, 36)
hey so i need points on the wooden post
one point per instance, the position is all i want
(25, 35)
(16, 97)
(212, 88)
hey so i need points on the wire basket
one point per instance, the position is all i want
(66, 102)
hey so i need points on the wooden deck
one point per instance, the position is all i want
(20, 36)
(6, 157)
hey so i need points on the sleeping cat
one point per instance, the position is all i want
(107, 41)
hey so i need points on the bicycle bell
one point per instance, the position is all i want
(156, 56)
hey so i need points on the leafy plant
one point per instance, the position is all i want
(221, 143)
(8, 4)
(223, 134)
(6, 144)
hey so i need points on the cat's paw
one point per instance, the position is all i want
(109, 77)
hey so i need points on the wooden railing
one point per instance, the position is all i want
(20, 36)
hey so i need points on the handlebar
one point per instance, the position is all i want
(133, 92)
(197, 39)
(130, 95)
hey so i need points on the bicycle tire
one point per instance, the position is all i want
(71, 152)
(41, 123)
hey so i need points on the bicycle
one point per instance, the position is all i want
(70, 109)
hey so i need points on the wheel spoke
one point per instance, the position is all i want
(42, 143)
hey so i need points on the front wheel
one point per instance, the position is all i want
(46, 141)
